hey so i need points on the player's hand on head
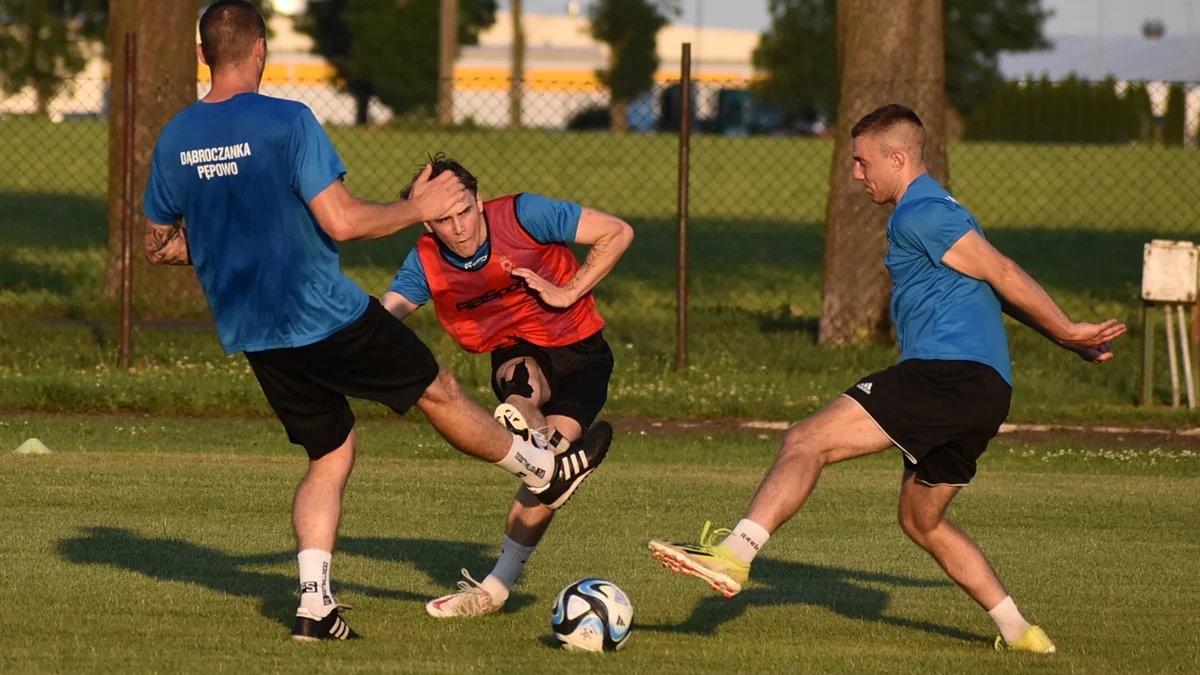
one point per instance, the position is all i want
(438, 197)
(550, 293)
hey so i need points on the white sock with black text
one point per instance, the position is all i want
(745, 540)
(533, 465)
(316, 597)
(1010, 622)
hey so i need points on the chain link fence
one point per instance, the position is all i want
(1069, 184)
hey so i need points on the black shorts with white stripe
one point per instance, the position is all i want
(941, 414)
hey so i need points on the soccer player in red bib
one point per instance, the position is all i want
(504, 282)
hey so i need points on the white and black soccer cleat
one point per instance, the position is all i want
(310, 628)
(576, 464)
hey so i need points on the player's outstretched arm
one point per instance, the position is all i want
(345, 217)
(1026, 301)
(398, 305)
(167, 244)
(609, 238)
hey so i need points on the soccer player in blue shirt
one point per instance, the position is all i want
(259, 186)
(941, 404)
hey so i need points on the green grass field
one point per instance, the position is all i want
(1075, 217)
(151, 544)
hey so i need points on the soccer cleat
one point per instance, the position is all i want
(471, 600)
(514, 421)
(310, 628)
(709, 560)
(577, 463)
(1034, 640)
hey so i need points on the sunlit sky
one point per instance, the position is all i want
(1072, 17)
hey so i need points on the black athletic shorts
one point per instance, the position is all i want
(941, 414)
(578, 375)
(377, 357)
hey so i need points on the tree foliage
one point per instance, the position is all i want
(1175, 116)
(798, 53)
(389, 48)
(630, 29)
(1070, 111)
(44, 43)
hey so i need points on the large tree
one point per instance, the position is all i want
(45, 43)
(630, 29)
(388, 48)
(889, 52)
(799, 52)
(166, 83)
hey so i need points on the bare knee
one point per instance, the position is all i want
(523, 378)
(442, 390)
(918, 524)
(337, 464)
(802, 443)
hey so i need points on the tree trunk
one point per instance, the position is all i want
(44, 93)
(618, 112)
(166, 83)
(516, 80)
(888, 52)
(362, 109)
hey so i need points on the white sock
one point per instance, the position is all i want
(315, 595)
(513, 557)
(534, 466)
(496, 589)
(1010, 622)
(746, 539)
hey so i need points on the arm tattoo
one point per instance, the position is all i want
(597, 252)
(167, 245)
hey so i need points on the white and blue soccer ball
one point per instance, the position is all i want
(592, 615)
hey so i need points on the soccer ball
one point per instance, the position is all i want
(592, 615)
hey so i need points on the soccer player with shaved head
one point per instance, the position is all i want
(259, 187)
(940, 405)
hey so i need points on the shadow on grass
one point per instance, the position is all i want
(844, 591)
(22, 277)
(182, 561)
(56, 222)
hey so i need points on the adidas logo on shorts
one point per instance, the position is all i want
(865, 386)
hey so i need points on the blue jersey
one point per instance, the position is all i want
(241, 173)
(940, 313)
(546, 220)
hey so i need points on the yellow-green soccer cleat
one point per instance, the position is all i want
(1034, 640)
(709, 560)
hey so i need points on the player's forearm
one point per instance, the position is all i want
(1026, 301)
(370, 220)
(167, 244)
(601, 260)
(399, 306)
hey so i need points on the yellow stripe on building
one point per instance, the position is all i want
(476, 79)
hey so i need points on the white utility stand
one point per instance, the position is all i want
(1171, 280)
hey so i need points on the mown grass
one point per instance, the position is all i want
(1075, 217)
(159, 544)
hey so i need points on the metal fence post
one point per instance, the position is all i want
(447, 50)
(127, 193)
(685, 133)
